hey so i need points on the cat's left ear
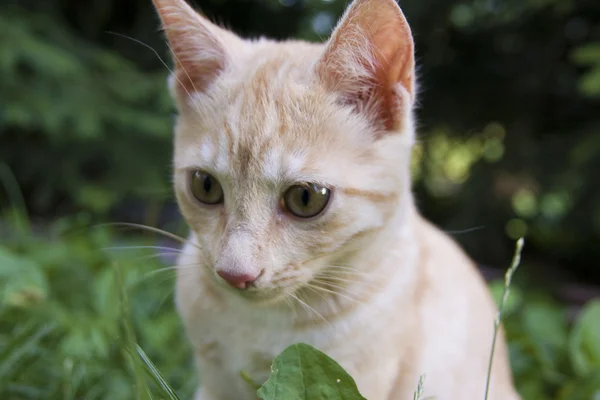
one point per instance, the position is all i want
(369, 61)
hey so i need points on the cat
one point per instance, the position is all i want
(291, 168)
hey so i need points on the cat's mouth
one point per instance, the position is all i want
(257, 294)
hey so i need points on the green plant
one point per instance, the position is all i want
(66, 331)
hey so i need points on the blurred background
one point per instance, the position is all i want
(509, 146)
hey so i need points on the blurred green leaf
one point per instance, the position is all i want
(23, 282)
(546, 328)
(588, 54)
(584, 341)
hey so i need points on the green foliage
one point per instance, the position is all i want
(584, 345)
(551, 358)
(302, 372)
(79, 113)
(589, 56)
(65, 331)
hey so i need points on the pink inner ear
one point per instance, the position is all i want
(196, 76)
(369, 61)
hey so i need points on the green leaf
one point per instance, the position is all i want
(590, 83)
(585, 388)
(23, 280)
(588, 54)
(302, 372)
(23, 344)
(547, 331)
(584, 342)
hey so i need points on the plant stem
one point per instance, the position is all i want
(507, 281)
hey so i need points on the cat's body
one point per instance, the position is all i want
(432, 318)
(292, 170)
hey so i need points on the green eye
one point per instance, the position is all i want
(306, 200)
(206, 188)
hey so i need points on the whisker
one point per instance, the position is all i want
(331, 284)
(317, 292)
(291, 305)
(340, 269)
(321, 255)
(173, 268)
(143, 247)
(371, 285)
(162, 301)
(162, 62)
(151, 256)
(309, 308)
(468, 230)
(165, 278)
(336, 293)
(186, 74)
(152, 229)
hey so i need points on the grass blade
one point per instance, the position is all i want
(19, 347)
(155, 374)
(13, 192)
(507, 281)
(141, 388)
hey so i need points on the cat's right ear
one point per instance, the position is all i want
(199, 47)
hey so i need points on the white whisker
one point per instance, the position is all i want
(172, 249)
(341, 269)
(325, 276)
(291, 305)
(154, 230)
(308, 308)
(336, 293)
(317, 292)
(196, 105)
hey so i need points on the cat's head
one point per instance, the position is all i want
(290, 157)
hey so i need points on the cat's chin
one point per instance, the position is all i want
(260, 297)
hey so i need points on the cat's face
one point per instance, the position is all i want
(286, 164)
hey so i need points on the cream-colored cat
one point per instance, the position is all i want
(292, 171)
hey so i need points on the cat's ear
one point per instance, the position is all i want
(200, 48)
(369, 61)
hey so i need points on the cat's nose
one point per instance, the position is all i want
(239, 280)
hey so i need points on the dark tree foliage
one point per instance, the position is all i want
(509, 113)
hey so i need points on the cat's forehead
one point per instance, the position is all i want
(269, 120)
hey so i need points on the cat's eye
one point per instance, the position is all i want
(306, 200)
(206, 188)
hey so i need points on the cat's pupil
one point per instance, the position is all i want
(207, 184)
(305, 197)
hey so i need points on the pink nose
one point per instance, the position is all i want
(238, 280)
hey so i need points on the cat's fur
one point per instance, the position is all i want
(386, 294)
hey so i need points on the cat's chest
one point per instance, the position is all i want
(236, 342)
